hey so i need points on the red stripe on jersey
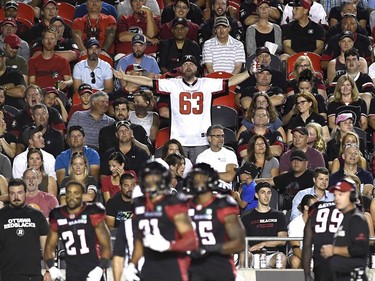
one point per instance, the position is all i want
(173, 210)
(96, 219)
(183, 262)
(225, 88)
(222, 213)
(53, 224)
(157, 90)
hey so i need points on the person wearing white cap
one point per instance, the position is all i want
(223, 52)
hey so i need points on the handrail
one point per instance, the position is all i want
(272, 238)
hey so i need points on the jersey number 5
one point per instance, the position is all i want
(68, 238)
(186, 100)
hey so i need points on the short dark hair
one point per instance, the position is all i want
(126, 176)
(119, 101)
(351, 52)
(174, 159)
(306, 201)
(17, 182)
(320, 170)
(213, 127)
(73, 182)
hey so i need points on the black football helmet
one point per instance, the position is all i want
(210, 184)
(161, 184)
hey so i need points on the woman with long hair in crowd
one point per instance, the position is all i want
(46, 183)
(258, 152)
(174, 146)
(79, 171)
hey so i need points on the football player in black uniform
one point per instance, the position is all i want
(323, 222)
(162, 229)
(347, 255)
(80, 226)
(220, 231)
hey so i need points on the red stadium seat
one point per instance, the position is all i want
(25, 11)
(2, 16)
(66, 11)
(162, 137)
(25, 22)
(315, 59)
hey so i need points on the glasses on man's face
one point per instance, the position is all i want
(218, 136)
(93, 80)
(302, 102)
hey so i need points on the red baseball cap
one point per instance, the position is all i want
(13, 40)
(11, 21)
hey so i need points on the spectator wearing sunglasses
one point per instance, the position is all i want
(93, 70)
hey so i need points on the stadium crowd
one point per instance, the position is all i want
(277, 97)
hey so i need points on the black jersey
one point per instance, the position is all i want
(161, 266)
(209, 224)
(77, 232)
(325, 220)
(20, 233)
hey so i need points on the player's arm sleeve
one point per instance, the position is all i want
(120, 243)
(307, 248)
(359, 237)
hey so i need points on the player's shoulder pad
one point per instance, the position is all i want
(225, 199)
(173, 199)
(95, 207)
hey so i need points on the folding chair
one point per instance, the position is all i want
(222, 75)
(66, 11)
(10, 109)
(25, 11)
(162, 137)
(315, 59)
(225, 116)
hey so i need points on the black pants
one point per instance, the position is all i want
(323, 273)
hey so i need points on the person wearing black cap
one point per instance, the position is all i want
(93, 70)
(302, 34)
(136, 156)
(265, 221)
(219, 8)
(49, 69)
(298, 178)
(49, 11)
(299, 141)
(190, 99)
(245, 196)
(138, 56)
(361, 41)
(75, 139)
(141, 21)
(263, 84)
(173, 49)
(336, 65)
(65, 46)
(34, 135)
(84, 94)
(347, 255)
(95, 24)
(223, 52)
(181, 9)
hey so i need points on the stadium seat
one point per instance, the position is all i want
(26, 22)
(230, 139)
(2, 16)
(315, 59)
(10, 109)
(222, 75)
(66, 11)
(25, 11)
(225, 116)
(162, 137)
(226, 100)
